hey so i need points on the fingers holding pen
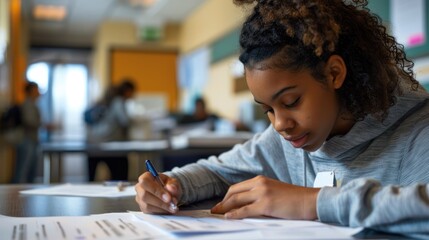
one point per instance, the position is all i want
(152, 197)
(173, 189)
(151, 204)
(171, 185)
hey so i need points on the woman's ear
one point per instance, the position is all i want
(335, 71)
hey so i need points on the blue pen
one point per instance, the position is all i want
(154, 173)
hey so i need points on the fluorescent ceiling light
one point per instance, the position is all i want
(49, 12)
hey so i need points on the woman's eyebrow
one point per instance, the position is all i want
(277, 94)
(281, 91)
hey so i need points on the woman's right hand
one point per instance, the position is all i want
(153, 198)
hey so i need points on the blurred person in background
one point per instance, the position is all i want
(27, 150)
(200, 114)
(113, 126)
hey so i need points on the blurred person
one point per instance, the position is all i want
(96, 112)
(200, 114)
(27, 149)
(113, 126)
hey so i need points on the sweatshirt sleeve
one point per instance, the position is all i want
(198, 183)
(212, 177)
(365, 203)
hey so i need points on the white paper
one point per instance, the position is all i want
(102, 226)
(84, 190)
(196, 224)
(201, 222)
(296, 229)
(194, 221)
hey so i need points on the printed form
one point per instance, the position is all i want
(195, 224)
(102, 226)
(200, 222)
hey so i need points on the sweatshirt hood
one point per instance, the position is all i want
(369, 128)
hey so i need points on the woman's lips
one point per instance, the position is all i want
(297, 142)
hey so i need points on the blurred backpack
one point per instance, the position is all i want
(94, 114)
(11, 125)
(11, 118)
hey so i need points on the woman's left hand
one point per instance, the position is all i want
(262, 196)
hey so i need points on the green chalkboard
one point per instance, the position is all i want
(381, 8)
(225, 46)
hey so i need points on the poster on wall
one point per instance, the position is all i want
(421, 68)
(192, 75)
(408, 22)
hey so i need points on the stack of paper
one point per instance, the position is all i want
(201, 224)
(186, 225)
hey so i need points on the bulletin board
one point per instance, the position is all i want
(408, 21)
(410, 25)
(154, 71)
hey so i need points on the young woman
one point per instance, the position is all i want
(342, 99)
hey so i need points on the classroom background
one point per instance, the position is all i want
(174, 51)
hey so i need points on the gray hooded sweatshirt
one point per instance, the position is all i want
(383, 168)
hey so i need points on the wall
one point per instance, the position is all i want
(154, 72)
(5, 151)
(210, 22)
(121, 34)
(4, 39)
(219, 92)
(18, 51)
(207, 24)
(109, 34)
(12, 72)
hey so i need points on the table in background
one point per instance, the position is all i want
(176, 151)
(53, 151)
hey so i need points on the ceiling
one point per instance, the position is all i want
(84, 16)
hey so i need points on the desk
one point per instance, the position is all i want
(12, 203)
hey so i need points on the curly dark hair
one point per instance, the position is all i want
(303, 34)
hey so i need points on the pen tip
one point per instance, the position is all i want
(173, 207)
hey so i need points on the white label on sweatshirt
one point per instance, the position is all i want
(324, 179)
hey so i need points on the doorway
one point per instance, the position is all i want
(64, 97)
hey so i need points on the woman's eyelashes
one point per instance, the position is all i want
(290, 105)
(267, 110)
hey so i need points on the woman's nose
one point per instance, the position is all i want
(283, 123)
